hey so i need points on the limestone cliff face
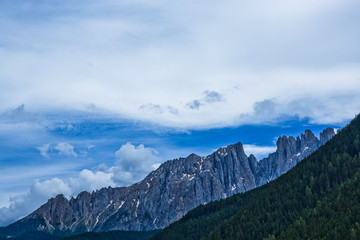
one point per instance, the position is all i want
(169, 192)
(288, 153)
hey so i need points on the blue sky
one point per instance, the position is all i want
(98, 93)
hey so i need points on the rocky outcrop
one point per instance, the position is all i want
(288, 153)
(176, 187)
(326, 135)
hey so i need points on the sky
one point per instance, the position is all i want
(99, 93)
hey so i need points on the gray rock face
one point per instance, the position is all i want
(176, 187)
(326, 135)
(288, 153)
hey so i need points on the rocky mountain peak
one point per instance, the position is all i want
(284, 141)
(288, 153)
(326, 135)
(192, 157)
(59, 200)
(238, 147)
(309, 135)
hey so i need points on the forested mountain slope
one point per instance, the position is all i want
(114, 235)
(322, 186)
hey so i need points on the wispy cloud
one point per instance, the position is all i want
(208, 98)
(212, 96)
(62, 148)
(195, 104)
(66, 149)
(158, 109)
(44, 150)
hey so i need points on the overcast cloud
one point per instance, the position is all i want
(161, 57)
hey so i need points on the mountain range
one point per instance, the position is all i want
(317, 199)
(169, 192)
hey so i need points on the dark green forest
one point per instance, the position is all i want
(317, 199)
(114, 235)
(110, 235)
(32, 236)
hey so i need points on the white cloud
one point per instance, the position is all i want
(134, 162)
(66, 149)
(259, 151)
(119, 175)
(49, 188)
(132, 157)
(44, 150)
(91, 146)
(90, 181)
(39, 193)
(63, 148)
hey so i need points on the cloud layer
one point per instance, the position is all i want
(188, 65)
